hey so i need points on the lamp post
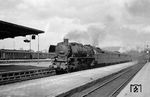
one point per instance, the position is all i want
(30, 45)
(38, 49)
(27, 41)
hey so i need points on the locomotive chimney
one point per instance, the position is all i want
(66, 41)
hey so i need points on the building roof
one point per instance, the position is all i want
(10, 30)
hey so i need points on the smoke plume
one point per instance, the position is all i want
(92, 35)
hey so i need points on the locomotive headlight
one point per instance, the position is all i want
(147, 52)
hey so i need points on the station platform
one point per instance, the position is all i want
(139, 86)
(28, 62)
(59, 84)
(23, 60)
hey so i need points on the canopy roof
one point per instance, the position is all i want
(10, 30)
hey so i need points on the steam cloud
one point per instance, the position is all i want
(92, 35)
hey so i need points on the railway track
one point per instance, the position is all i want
(112, 85)
(21, 75)
(7, 77)
(16, 73)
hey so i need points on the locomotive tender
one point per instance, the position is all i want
(75, 56)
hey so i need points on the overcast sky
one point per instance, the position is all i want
(103, 23)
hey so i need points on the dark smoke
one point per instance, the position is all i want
(93, 35)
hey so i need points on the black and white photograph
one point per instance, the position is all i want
(74, 48)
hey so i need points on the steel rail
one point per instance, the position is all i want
(112, 79)
(118, 75)
(123, 84)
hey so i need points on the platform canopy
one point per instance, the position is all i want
(10, 30)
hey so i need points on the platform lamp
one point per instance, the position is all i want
(33, 37)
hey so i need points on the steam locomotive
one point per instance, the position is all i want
(75, 56)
